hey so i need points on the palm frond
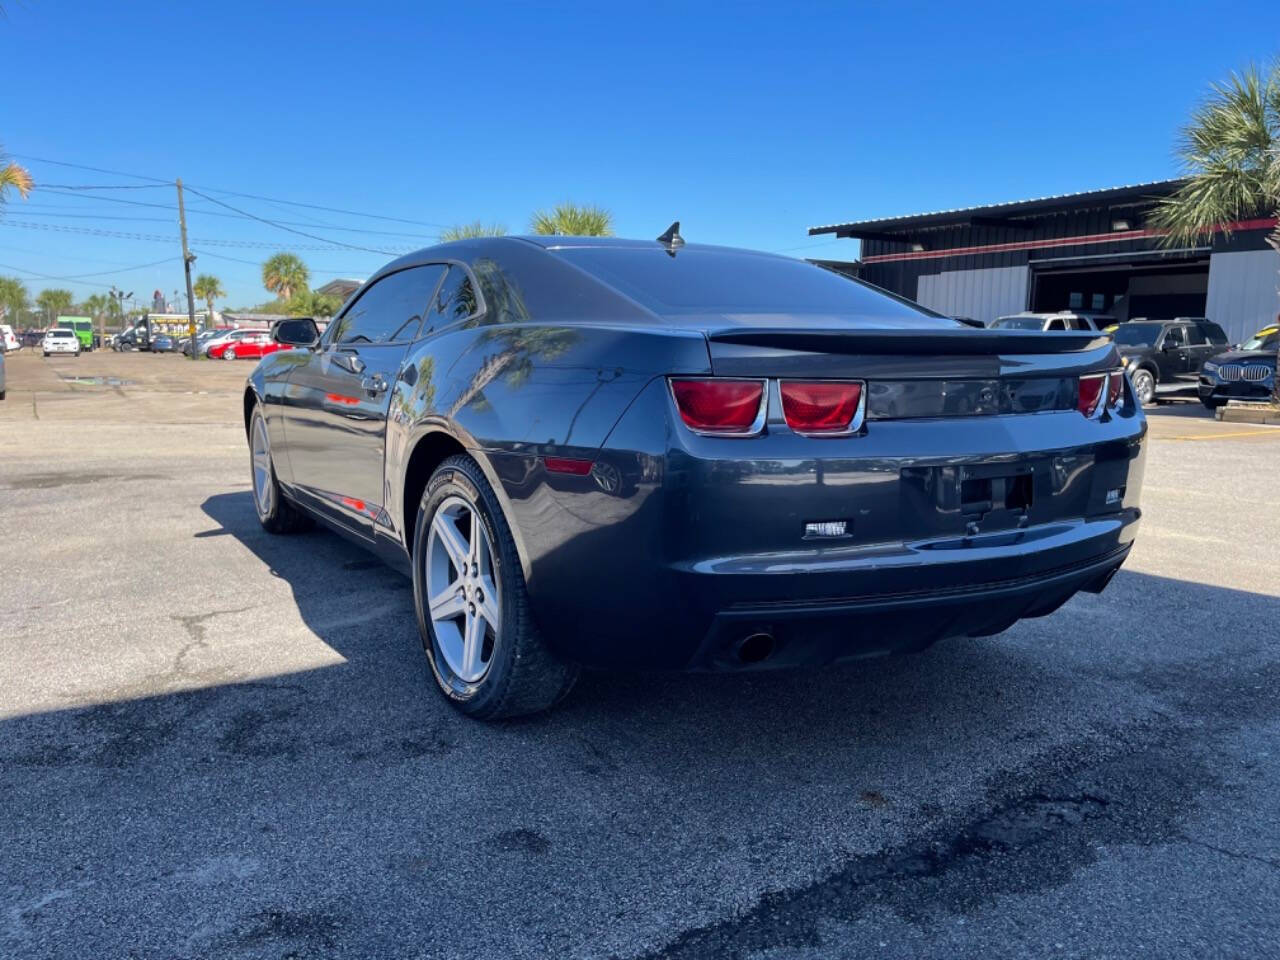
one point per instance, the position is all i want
(14, 177)
(1230, 152)
(477, 228)
(573, 220)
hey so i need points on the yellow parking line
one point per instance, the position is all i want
(1264, 432)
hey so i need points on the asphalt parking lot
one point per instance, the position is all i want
(218, 743)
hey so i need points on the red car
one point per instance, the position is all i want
(252, 346)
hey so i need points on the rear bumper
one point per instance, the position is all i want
(815, 633)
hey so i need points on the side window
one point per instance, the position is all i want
(389, 310)
(1217, 335)
(1057, 324)
(1195, 336)
(455, 300)
(1081, 323)
(1173, 337)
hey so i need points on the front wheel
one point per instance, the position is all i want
(229, 354)
(1144, 386)
(275, 512)
(485, 651)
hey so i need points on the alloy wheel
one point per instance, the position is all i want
(463, 603)
(1144, 386)
(263, 490)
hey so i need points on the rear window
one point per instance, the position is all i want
(698, 282)
(1018, 323)
(1137, 334)
(1215, 333)
(61, 332)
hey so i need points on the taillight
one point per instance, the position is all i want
(1115, 389)
(1092, 388)
(727, 408)
(821, 406)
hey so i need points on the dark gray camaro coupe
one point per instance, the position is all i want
(650, 455)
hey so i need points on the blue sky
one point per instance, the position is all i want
(748, 122)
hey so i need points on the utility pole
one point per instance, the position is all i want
(187, 258)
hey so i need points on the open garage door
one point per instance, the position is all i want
(1126, 290)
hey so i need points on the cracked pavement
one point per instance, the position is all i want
(217, 743)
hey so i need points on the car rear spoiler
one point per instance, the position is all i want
(962, 341)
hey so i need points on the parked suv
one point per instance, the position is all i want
(60, 340)
(1062, 320)
(1163, 352)
(1247, 372)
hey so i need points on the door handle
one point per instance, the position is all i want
(375, 384)
(348, 361)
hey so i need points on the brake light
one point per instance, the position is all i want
(1092, 387)
(1115, 389)
(721, 406)
(821, 406)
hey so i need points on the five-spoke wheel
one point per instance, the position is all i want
(485, 652)
(462, 593)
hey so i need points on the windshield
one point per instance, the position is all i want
(1268, 344)
(1137, 334)
(1019, 323)
(61, 333)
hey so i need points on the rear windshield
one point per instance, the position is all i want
(61, 332)
(1019, 323)
(698, 282)
(1137, 334)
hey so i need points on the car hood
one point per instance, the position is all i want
(1245, 356)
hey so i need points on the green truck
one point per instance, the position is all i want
(83, 326)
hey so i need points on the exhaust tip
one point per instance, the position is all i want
(755, 648)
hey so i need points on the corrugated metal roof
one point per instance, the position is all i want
(1012, 207)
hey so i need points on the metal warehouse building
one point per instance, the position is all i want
(1082, 251)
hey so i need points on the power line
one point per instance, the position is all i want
(99, 273)
(100, 186)
(128, 235)
(242, 215)
(232, 193)
(316, 206)
(287, 229)
(81, 166)
(258, 263)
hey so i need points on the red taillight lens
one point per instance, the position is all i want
(1092, 388)
(732, 407)
(1115, 389)
(823, 406)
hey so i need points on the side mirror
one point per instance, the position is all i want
(301, 332)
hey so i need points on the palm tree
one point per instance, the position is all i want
(97, 307)
(572, 220)
(209, 288)
(54, 302)
(1230, 151)
(308, 303)
(465, 231)
(284, 275)
(13, 298)
(14, 177)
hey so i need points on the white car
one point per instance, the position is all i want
(61, 340)
(9, 341)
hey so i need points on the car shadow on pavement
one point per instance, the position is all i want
(276, 811)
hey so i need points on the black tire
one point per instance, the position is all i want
(1144, 386)
(280, 515)
(523, 675)
(1212, 403)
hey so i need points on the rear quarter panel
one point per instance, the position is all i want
(514, 393)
